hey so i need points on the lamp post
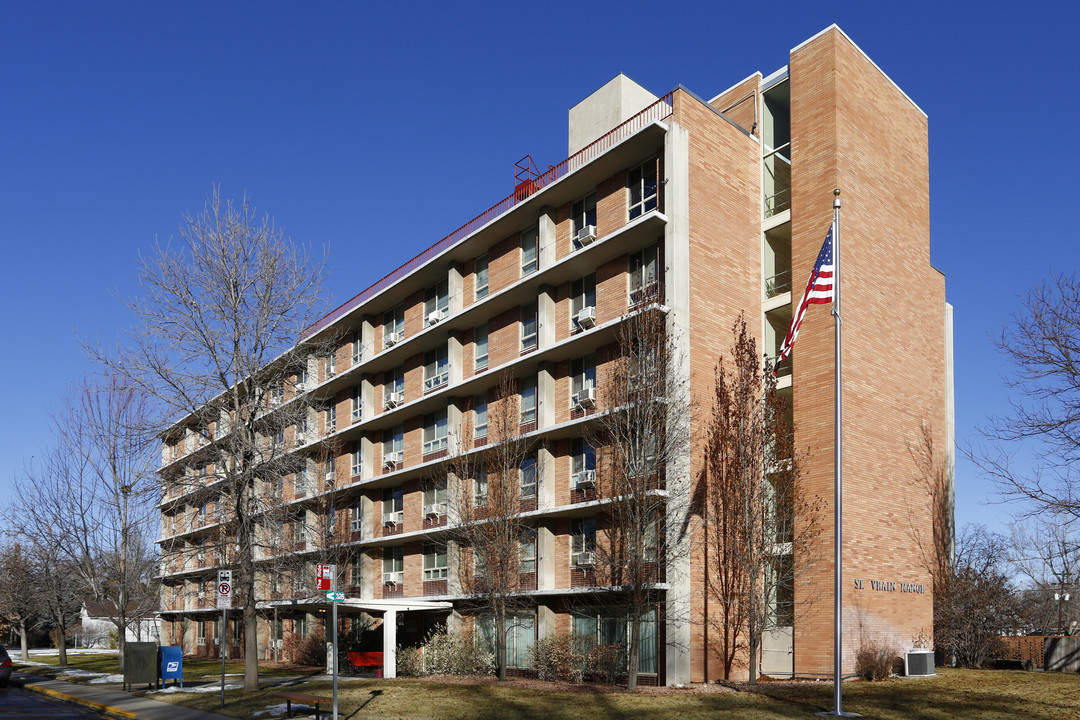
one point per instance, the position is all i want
(1062, 598)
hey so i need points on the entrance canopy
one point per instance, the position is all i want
(375, 606)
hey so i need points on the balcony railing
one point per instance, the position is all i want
(778, 180)
(659, 110)
(778, 284)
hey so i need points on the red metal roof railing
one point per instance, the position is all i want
(659, 110)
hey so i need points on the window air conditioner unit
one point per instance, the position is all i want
(329, 477)
(919, 663)
(586, 559)
(587, 317)
(389, 578)
(301, 438)
(355, 525)
(391, 458)
(435, 509)
(394, 399)
(586, 235)
(390, 518)
(435, 316)
(584, 479)
(392, 338)
(586, 397)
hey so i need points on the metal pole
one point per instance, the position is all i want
(333, 611)
(838, 485)
(221, 649)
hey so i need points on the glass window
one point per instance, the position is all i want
(582, 374)
(331, 418)
(356, 575)
(528, 401)
(394, 442)
(528, 478)
(480, 350)
(394, 325)
(436, 369)
(393, 500)
(331, 364)
(480, 488)
(583, 456)
(583, 214)
(356, 518)
(642, 270)
(435, 432)
(641, 182)
(481, 276)
(300, 481)
(394, 387)
(394, 560)
(582, 538)
(480, 413)
(527, 552)
(528, 328)
(520, 637)
(357, 349)
(582, 295)
(435, 562)
(528, 252)
(357, 404)
(437, 300)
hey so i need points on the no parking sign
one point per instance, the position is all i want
(224, 589)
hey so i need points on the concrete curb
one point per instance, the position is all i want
(93, 704)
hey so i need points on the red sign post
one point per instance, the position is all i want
(324, 577)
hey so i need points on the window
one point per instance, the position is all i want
(480, 275)
(582, 456)
(520, 637)
(394, 445)
(582, 541)
(480, 489)
(301, 378)
(331, 418)
(200, 632)
(582, 377)
(357, 461)
(435, 494)
(528, 328)
(435, 432)
(356, 518)
(651, 540)
(480, 416)
(300, 527)
(435, 561)
(782, 605)
(583, 296)
(528, 478)
(394, 326)
(357, 349)
(583, 214)
(393, 563)
(528, 401)
(394, 502)
(437, 302)
(357, 404)
(356, 575)
(394, 387)
(331, 472)
(527, 552)
(300, 431)
(528, 252)
(642, 269)
(300, 625)
(480, 349)
(609, 626)
(641, 182)
(436, 369)
(331, 364)
(300, 482)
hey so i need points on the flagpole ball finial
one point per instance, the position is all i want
(836, 198)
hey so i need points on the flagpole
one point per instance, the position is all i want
(838, 499)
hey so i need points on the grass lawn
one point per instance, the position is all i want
(988, 694)
(109, 664)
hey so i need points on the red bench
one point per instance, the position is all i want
(366, 659)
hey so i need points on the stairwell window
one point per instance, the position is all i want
(641, 186)
(528, 252)
(480, 274)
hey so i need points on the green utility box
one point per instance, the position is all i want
(140, 664)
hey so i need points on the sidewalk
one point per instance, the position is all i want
(110, 701)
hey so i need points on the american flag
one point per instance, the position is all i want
(819, 291)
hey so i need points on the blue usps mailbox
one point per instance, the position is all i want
(172, 663)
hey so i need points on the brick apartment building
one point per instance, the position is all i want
(720, 206)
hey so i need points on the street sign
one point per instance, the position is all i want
(337, 596)
(224, 589)
(324, 576)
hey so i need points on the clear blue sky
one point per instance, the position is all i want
(374, 129)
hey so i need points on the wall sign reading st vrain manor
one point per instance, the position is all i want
(888, 586)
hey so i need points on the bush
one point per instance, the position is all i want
(114, 639)
(309, 650)
(410, 662)
(607, 662)
(875, 660)
(561, 657)
(448, 653)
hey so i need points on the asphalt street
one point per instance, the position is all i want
(24, 704)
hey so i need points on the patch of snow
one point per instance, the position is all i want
(75, 672)
(200, 689)
(119, 678)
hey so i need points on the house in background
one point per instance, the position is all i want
(97, 623)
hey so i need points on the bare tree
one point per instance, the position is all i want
(760, 526)
(488, 534)
(936, 502)
(1046, 549)
(644, 426)
(977, 604)
(18, 602)
(1042, 341)
(220, 315)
